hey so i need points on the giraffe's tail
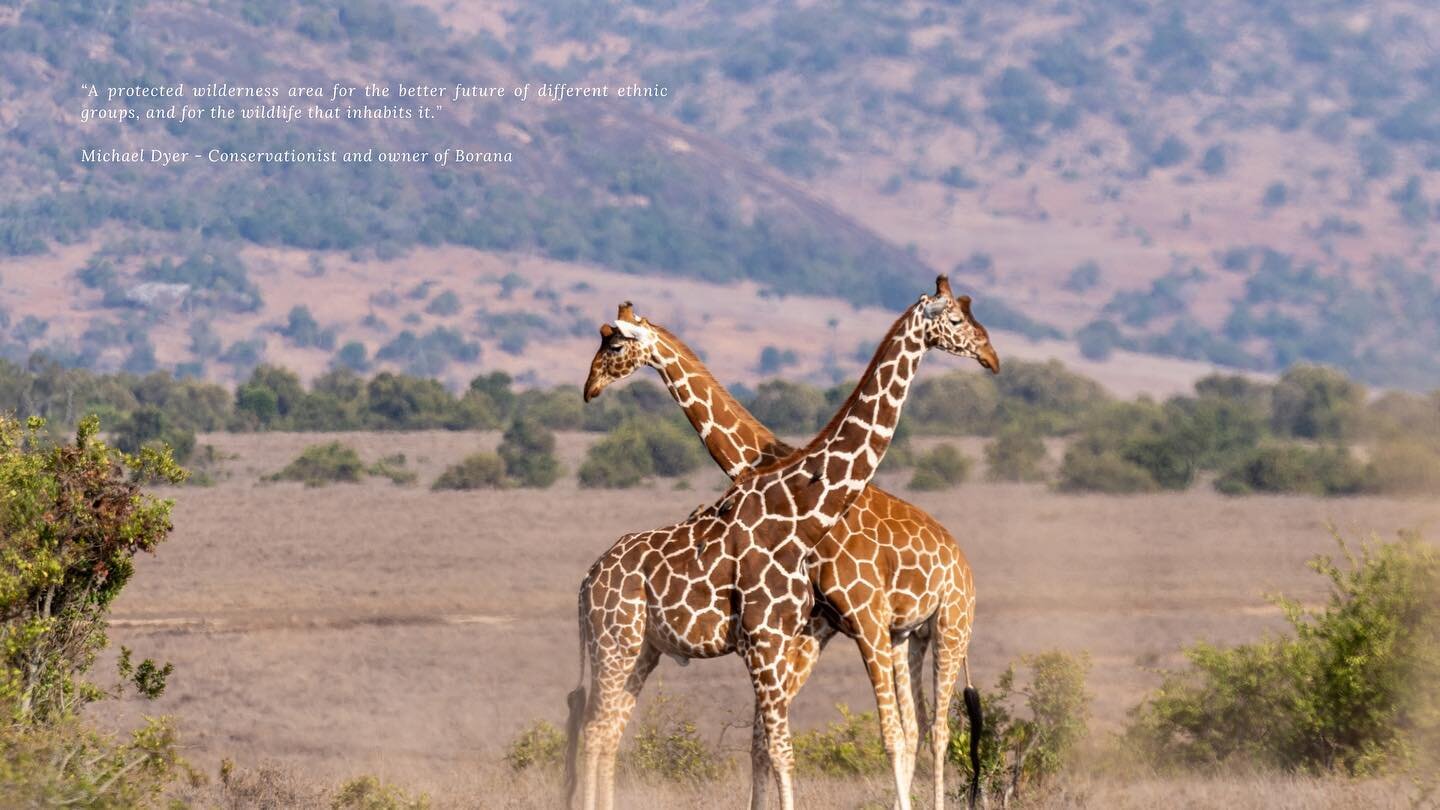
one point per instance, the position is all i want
(977, 727)
(576, 718)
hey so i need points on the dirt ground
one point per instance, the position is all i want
(375, 628)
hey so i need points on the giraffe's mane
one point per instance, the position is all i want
(703, 372)
(830, 426)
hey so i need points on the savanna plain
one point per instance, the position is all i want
(321, 633)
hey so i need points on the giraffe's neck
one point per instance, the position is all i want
(733, 436)
(843, 458)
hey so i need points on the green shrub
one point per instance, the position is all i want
(476, 471)
(788, 408)
(1099, 338)
(558, 408)
(619, 461)
(957, 403)
(528, 451)
(403, 402)
(1214, 428)
(1351, 687)
(393, 467)
(148, 426)
(69, 764)
(1314, 402)
(72, 518)
(541, 744)
(1276, 195)
(494, 391)
(321, 464)
(1018, 754)
(369, 793)
(637, 450)
(1293, 469)
(941, 468)
(850, 746)
(667, 745)
(1016, 454)
(445, 304)
(1167, 456)
(1046, 395)
(1086, 470)
(269, 395)
(302, 330)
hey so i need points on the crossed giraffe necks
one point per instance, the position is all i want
(733, 576)
(889, 567)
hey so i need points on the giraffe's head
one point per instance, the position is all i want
(950, 326)
(625, 345)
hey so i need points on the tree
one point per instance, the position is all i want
(1016, 454)
(72, 517)
(148, 426)
(787, 407)
(270, 394)
(1315, 402)
(528, 450)
(962, 403)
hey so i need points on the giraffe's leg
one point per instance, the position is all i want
(876, 650)
(759, 761)
(619, 675)
(804, 653)
(767, 659)
(919, 643)
(905, 700)
(950, 643)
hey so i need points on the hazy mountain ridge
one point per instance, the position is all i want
(1108, 171)
(1198, 160)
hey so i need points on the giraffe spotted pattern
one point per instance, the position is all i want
(736, 575)
(889, 575)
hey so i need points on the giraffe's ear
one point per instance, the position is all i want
(935, 306)
(629, 329)
(606, 330)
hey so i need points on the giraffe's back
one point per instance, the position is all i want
(887, 550)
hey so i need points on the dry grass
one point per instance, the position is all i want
(501, 790)
(370, 628)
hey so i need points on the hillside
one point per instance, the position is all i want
(1240, 185)
(1245, 187)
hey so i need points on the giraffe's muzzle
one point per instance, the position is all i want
(989, 359)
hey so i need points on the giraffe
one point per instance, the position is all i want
(882, 574)
(733, 576)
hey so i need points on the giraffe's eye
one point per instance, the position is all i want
(614, 348)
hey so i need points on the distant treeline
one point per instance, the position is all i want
(1293, 435)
